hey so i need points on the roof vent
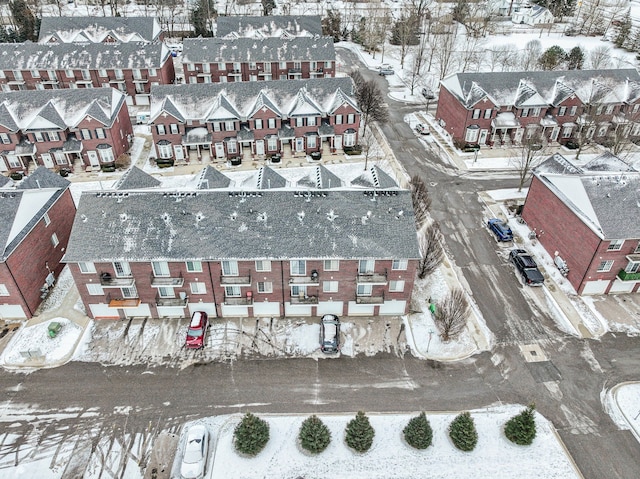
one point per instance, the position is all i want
(233, 216)
(400, 214)
(123, 217)
(301, 216)
(331, 215)
(262, 216)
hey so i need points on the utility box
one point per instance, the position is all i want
(54, 329)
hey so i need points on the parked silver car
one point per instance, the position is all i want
(195, 453)
(330, 334)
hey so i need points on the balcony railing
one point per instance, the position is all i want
(370, 299)
(372, 278)
(237, 280)
(108, 281)
(114, 302)
(624, 276)
(171, 301)
(157, 281)
(304, 300)
(313, 280)
(238, 301)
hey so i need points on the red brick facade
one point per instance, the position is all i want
(255, 71)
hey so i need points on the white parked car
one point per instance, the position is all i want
(195, 452)
(423, 129)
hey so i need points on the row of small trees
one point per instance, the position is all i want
(251, 435)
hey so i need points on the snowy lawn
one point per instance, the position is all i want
(390, 456)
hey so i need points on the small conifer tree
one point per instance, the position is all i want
(418, 432)
(521, 429)
(360, 433)
(462, 432)
(314, 435)
(251, 435)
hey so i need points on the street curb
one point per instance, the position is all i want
(614, 394)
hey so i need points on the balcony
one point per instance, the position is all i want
(160, 281)
(370, 299)
(181, 301)
(235, 280)
(304, 300)
(122, 302)
(108, 281)
(372, 278)
(313, 280)
(238, 301)
(624, 276)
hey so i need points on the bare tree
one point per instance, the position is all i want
(451, 314)
(471, 54)
(530, 154)
(504, 56)
(443, 47)
(421, 200)
(530, 55)
(432, 252)
(600, 57)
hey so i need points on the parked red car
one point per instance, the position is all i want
(197, 332)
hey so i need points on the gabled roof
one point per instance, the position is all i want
(213, 50)
(43, 177)
(136, 179)
(606, 198)
(268, 26)
(198, 100)
(374, 177)
(607, 162)
(263, 101)
(5, 181)
(303, 105)
(210, 178)
(265, 179)
(267, 224)
(544, 87)
(36, 56)
(59, 109)
(320, 177)
(97, 29)
(223, 109)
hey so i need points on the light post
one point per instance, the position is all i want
(429, 342)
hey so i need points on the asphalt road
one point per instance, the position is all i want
(566, 388)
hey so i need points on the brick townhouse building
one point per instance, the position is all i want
(275, 253)
(282, 26)
(99, 30)
(506, 108)
(61, 128)
(588, 216)
(216, 60)
(130, 67)
(37, 216)
(253, 119)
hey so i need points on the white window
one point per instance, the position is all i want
(160, 268)
(106, 155)
(610, 109)
(282, 65)
(615, 245)
(2, 75)
(599, 109)
(119, 74)
(536, 111)
(87, 267)
(487, 113)
(637, 250)
(364, 290)
(166, 292)
(327, 64)
(252, 66)
(100, 133)
(153, 72)
(229, 125)
(263, 265)
(329, 286)
(85, 74)
(331, 265)
(471, 135)
(299, 121)
(574, 110)
(47, 220)
(351, 118)
(562, 111)
(17, 74)
(566, 131)
(232, 291)
(101, 72)
(130, 292)
(194, 266)
(3, 290)
(338, 119)
(366, 266)
(396, 286)
(222, 66)
(258, 123)
(35, 73)
(349, 139)
(299, 291)
(298, 267)
(605, 266)
(38, 136)
(122, 268)
(476, 114)
(53, 136)
(525, 112)
(399, 264)
(311, 121)
(311, 141)
(232, 146)
(164, 151)
(4, 138)
(265, 287)
(272, 143)
(85, 133)
(69, 73)
(95, 289)
(160, 129)
(271, 123)
(237, 66)
(54, 240)
(602, 130)
(174, 129)
(229, 268)
(198, 288)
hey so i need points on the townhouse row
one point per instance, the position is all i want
(509, 108)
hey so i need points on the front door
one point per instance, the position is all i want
(554, 133)
(483, 137)
(299, 144)
(219, 150)
(260, 147)
(518, 136)
(179, 152)
(337, 143)
(47, 160)
(93, 158)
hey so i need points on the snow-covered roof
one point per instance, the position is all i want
(136, 179)
(210, 178)
(237, 100)
(268, 26)
(98, 29)
(215, 224)
(213, 50)
(59, 109)
(605, 195)
(320, 177)
(36, 56)
(541, 88)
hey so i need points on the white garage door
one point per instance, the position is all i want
(142, 99)
(622, 286)
(595, 287)
(392, 307)
(12, 311)
(170, 312)
(356, 309)
(141, 311)
(266, 309)
(297, 309)
(209, 308)
(234, 310)
(330, 307)
(103, 311)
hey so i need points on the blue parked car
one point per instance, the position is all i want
(500, 229)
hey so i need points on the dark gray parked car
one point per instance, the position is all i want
(329, 333)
